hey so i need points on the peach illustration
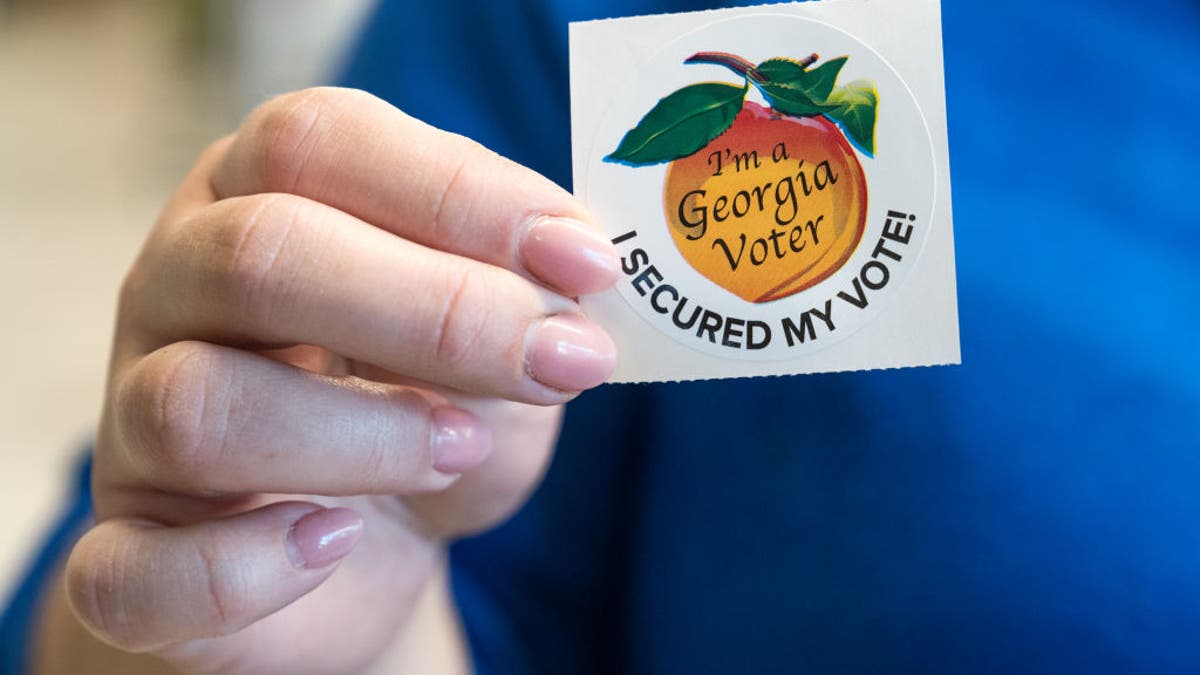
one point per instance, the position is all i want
(774, 205)
(763, 201)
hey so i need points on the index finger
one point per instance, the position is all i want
(357, 153)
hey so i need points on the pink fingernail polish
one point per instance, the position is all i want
(570, 353)
(570, 256)
(323, 537)
(460, 442)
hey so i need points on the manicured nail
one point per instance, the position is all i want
(570, 256)
(459, 440)
(570, 353)
(323, 537)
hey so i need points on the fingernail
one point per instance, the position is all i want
(460, 441)
(570, 256)
(323, 537)
(570, 353)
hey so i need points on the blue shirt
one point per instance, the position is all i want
(1035, 510)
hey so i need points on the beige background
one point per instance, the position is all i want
(103, 104)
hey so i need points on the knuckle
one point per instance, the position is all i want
(388, 460)
(462, 320)
(460, 189)
(97, 588)
(251, 245)
(226, 588)
(378, 466)
(176, 412)
(287, 130)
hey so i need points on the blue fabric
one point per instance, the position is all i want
(1035, 510)
(17, 621)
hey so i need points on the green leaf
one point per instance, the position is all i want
(854, 108)
(781, 70)
(680, 124)
(816, 83)
(790, 100)
(792, 90)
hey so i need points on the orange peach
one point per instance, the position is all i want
(774, 205)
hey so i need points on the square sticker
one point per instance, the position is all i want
(776, 181)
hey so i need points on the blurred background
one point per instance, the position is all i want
(104, 105)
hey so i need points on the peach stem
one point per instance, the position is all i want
(739, 65)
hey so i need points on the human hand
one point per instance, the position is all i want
(347, 331)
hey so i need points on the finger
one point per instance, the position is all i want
(279, 269)
(489, 494)
(200, 418)
(359, 154)
(141, 586)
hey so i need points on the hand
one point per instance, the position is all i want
(348, 331)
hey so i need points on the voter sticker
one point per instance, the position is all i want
(776, 181)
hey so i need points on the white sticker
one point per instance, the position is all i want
(776, 181)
